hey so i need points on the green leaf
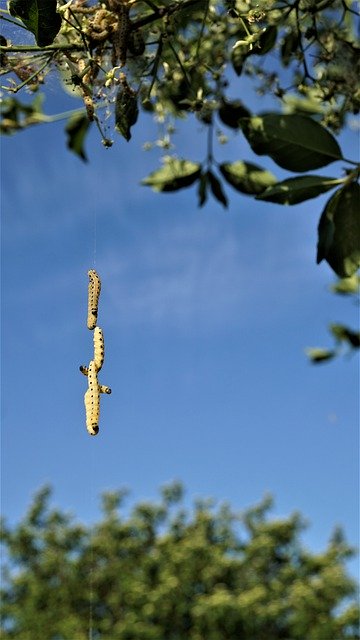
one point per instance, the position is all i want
(16, 115)
(76, 129)
(289, 46)
(343, 334)
(202, 189)
(317, 355)
(266, 42)
(238, 57)
(294, 190)
(339, 231)
(174, 175)
(126, 110)
(216, 189)
(246, 177)
(39, 16)
(231, 111)
(294, 142)
(347, 286)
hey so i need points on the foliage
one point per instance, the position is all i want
(181, 58)
(164, 573)
(346, 340)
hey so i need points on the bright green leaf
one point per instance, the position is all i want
(247, 177)
(317, 355)
(39, 16)
(294, 142)
(76, 129)
(347, 286)
(298, 189)
(339, 231)
(174, 175)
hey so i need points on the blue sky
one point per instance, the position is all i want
(206, 315)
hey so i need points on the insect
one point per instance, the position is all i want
(92, 401)
(93, 298)
(102, 387)
(99, 348)
(121, 34)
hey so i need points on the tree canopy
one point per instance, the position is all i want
(182, 59)
(163, 572)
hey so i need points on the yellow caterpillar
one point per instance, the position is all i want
(102, 387)
(92, 401)
(99, 348)
(93, 298)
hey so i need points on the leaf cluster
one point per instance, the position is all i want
(176, 60)
(163, 572)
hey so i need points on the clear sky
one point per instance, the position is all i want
(206, 314)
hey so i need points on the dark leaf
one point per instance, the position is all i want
(238, 57)
(39, 16)
(339, 231)
(295, 190)
(231, 111)
(126, 110)
(76, 129)
(289, 46)
(202, 189)
(266, 41)
(246, 177)
(343, 334)
(294, 142)
(174, 175)
(216, 189)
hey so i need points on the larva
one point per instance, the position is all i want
(92, 401)
(93, 298)
(102, 387)
(120, 38)
(99, 348)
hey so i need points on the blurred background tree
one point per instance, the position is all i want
(164, 573)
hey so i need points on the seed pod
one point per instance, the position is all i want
(92, 401)
(93, 298)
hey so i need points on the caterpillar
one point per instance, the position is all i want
(92, 401)
(93, 298)
(120, 38)
(102, 387)
(99, 348)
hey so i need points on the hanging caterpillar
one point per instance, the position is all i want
(121, 35)
(92, 401)
(99, 348)
(102, 387)
(93, 298)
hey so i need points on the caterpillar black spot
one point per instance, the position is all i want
(93, 298)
